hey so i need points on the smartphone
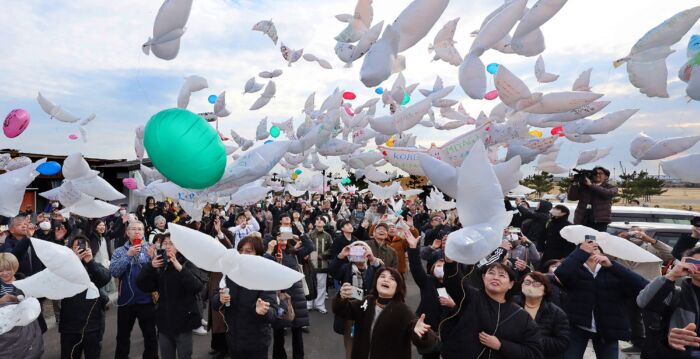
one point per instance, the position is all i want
(442, 292)
(695, 262)
(161, 253)
(286, 233)
(514, 237)
(358, 293)
(357, 254)
(137, 241)
(589, 237)
(81, 246)
(514, 230)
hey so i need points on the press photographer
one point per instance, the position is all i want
(594, 195)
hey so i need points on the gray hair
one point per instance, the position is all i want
(159, 219)
(132, 223)
(16, 220)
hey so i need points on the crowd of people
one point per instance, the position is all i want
(536, 296)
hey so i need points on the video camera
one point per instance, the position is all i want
(581, 175)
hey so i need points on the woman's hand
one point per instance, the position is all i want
(346, 291)
(421, 328)
(490, 341)
(224, 298)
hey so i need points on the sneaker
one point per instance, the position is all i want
(322, 311)
(632, 349)
(199, 331)
(204, 323)
(305, 329)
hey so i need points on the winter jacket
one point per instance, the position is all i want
(323, 243)
(554, 329)
(29, 263)
(296, 291)
(26, 342)
(389, 336)
(677, 305)
(477, 312)
(246, 329)
(685, 242)
(76, 310)
(400, 245)
(535, 221)
(384, 252)
(176, 310)
(599, 196)
(553, 245)
(339, 242)
(126, 269)
(604, 296)
(428, 284)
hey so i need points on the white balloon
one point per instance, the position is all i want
(251, 86)
(19, 315)
(529, 45)
(250, 194)
(13, 185)
(386, 192)
(77, 171)
(556, 119)
(472, 77)
(693, 89)
(252, 165)
(220, 109)
(406, 118)
(249, 271)
(265, 97)
(687, 167)
(603, 125)
(583, 81)
(541, 12)
(382, 59)
(138, 143)
(55, 111)
(589, 156)
(498, 26)
(416, 20)
(244, 143)
(480, 209)
(82, 204)
(610, 244)
(547, 161)
(541, 74)
(336, 147)
(444, 44)
(511, 89)
(436, 202)
(192, 84)
(268, 28)
(358, 22)
(261, 131)
(168, 28)
(555, 102)
(270, 74)
(644, 147)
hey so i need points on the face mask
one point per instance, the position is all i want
(555, 213)
(45, 225)
(532, 292)
(122, 212)
(439, 272)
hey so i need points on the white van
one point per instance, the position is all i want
(668, 233)
(643, 214)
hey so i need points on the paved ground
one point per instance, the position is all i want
(320, 343)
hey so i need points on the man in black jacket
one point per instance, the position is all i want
(687, 241)
(82, 319)
(173, 276)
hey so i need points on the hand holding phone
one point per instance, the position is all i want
(357, 293)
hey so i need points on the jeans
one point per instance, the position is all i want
(180, 344)
(126, 316)
(604, 348)
(278, 351)
(72, 347)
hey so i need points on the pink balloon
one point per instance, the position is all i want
(491, 95)
(73, 137)
(348, 110)
(16, 122)
(130, 183)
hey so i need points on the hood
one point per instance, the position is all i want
(545, 206)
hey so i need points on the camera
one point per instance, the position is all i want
(161, 253)
(581, 175)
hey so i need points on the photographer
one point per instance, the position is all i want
(594, 195)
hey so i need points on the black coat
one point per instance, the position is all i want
(477, 312)
(290, 260)
(535, 221)
(428, 284)
(246, 329)
(176, 310)
(554, 329)
(339, 242)
(76, 310)
(605, 296)
(553, 245)
(685, 242)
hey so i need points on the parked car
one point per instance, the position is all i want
(664, 232)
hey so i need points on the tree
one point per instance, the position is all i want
(564, 184)
(639, 186)
(541, 183)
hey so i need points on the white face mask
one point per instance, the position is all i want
(122, 212)
(532, 292)
(556, 213)
(439, 272)
(45, 225)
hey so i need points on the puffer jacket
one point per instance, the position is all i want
(301, 313)
(246, 329)
(23, 341)
(77, 309)
(599, 196)
(176, 310)
(604, 296)
(554, 329)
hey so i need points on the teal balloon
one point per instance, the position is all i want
(379, 91)
(406, 99)
(274, 131)
(212, 99)
(49, 168)
(297, 171)
(185, 148)
(492, 68)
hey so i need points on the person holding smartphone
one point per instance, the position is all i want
(598, 290)
(688, 240)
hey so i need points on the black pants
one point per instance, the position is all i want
(218, 342)
(249, 354)
(278, 351)
(126, 316)
(72, 347)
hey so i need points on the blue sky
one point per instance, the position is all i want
(86, 56)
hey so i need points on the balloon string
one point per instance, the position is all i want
(82, 333)
(138, 79)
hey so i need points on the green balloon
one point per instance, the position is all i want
(406, 99)
(274, 131)
(185, 148)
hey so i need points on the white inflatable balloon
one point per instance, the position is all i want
(556, 119)
(265, 97)
(416, 20)
(374, 175)
(349, 53)
(590, 156)
(268, 28)
(646, 62)
(56, 111)
(555, 102)
(168, 28)
(192, 84)
(436, 202)
(386, 192)
(610, 244)
(249, 271)
(251, 86)
(583, 81)
(541, 74)
(498, 26)
(13, 185)
(358, 22)
(511, 88)
(317, 164)
(382, 59)
(472, 77)
(252, 165)
(220, 109)
(480, 209)
(601, 126)
(407, 118)
(270, 74)
(250, 194)
(336, 147)
(444, 44)
(82, 204)
(244, 143)
(644, 147)
(687, 167)
(540, 13)
(19, 315)
(547, 162)
(77, 171)
(529, 45)
(261, 132)
(63, 277)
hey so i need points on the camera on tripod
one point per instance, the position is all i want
(581, 175)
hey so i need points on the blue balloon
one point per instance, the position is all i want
(492, 68)
(212, 99)
(49, 168)
(297, 171)
(379, 91)
(268, 141)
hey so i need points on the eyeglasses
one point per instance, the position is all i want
(533, 283)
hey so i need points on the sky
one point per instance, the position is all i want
(85, 56)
